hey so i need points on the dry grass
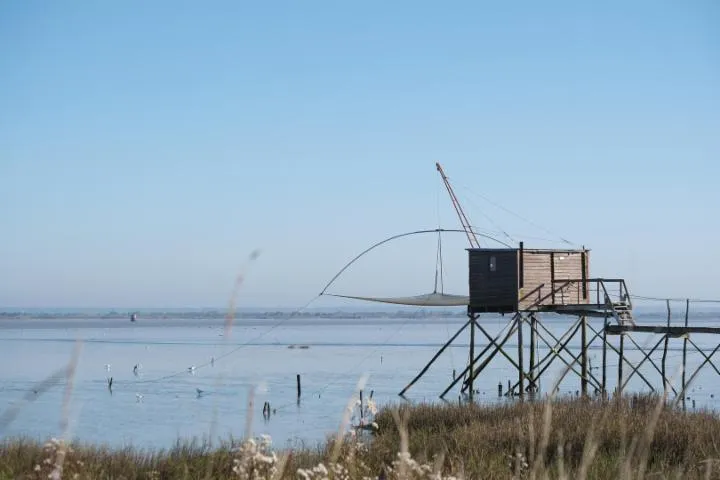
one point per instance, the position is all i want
(578, 438)
(583, 438)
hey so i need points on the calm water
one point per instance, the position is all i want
(256, 354)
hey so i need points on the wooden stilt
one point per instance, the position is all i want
(531, 373)
(620, 364)
(584, 352)
(604, 359)
(684, 357)
(472, 357)
(521, 373)
(665, 348)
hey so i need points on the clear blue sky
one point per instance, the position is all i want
(146, 148)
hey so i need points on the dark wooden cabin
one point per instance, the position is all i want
(504, 280)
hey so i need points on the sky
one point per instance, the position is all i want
(148, 148)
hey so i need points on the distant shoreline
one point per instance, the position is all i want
(279, 313)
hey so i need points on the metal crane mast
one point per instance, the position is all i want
(472, 238)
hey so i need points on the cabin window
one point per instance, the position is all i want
(493, 264)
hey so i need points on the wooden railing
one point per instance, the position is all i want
(598, 291)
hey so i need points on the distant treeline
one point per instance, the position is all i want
(643, 312)
(216, 314)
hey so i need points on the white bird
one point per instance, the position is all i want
(192, 369)
(138, 397)
(107, 367)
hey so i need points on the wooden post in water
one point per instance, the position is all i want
(620, 363)
(584, 352)
(299, 389)
(521, 374)
(665, 348)
(684, 360)
(361, 405)
(604, 358)
(472, 356)
(533, 341)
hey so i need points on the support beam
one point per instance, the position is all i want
(487, 361)
(574, 357)
(637, 367)
(501, 351)
(701, 352)
(568, 369)
(472, 355)
(620, 362)
(435, 357)
(684, 356)
(532, 387)
(665, 349)
(521, 373)
(584, 353)
(695, 373)
(616, 350)
(477, 371)
(492, 354)
(652, 362)
(604, 359)
(555, 352)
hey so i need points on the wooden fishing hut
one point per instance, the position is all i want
(525, 282)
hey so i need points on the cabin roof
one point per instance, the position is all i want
(530, 250)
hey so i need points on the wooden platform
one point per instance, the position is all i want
(661, 329)
(581, 309)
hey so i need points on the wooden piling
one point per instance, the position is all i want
(533, 341)
(266, 410)
(472, 357)
(521, 374)
(684, 357)
(299, 389)
(584, 353)
(620, 363)
(604, 359)
(665, 349)
(362, 414)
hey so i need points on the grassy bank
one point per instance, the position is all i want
(572, 439)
